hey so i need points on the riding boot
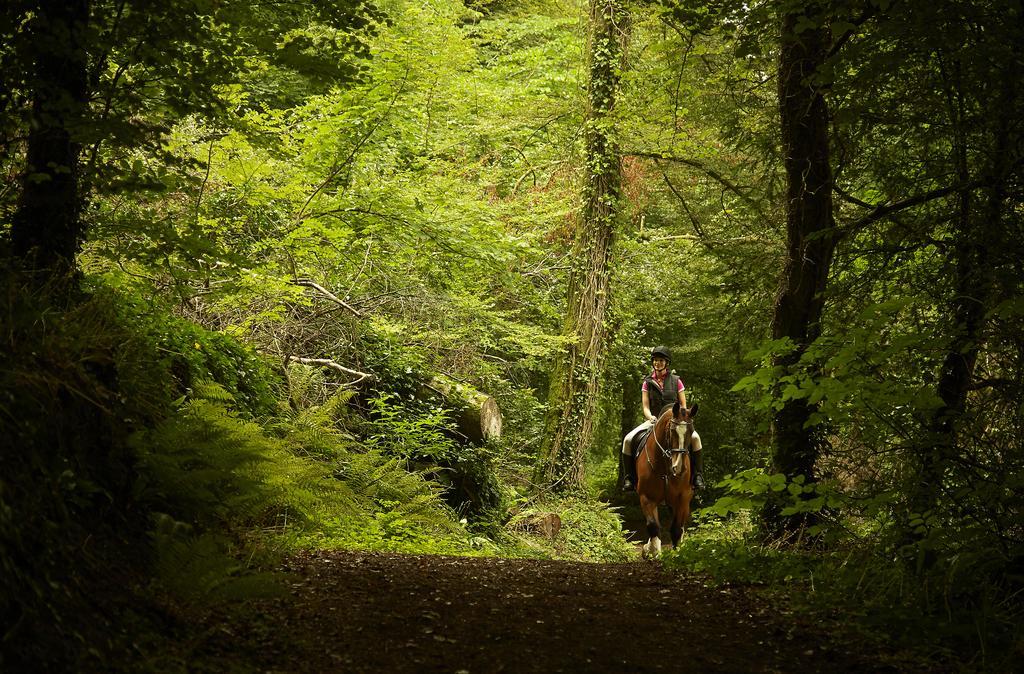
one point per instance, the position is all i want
(627, 468)
(697, 462)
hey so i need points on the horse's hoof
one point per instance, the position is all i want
(651, 550)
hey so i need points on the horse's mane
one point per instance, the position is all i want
(659, 425)
(667, 411)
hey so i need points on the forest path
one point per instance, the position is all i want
(363, 612)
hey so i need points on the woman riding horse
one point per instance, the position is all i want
(661, 388)
(663, 468)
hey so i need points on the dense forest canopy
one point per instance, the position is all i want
(262, 263)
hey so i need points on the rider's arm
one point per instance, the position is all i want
(682, 397)
(647, 407)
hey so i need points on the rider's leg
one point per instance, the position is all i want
(627, 470)
(627, 464)
(631, 472)
(697, 462)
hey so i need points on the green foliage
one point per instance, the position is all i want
(727, 552)
(397, 511)
(402, 432)
(753, 489)
(207, 466)
(593, 531)
(421, 437)
(587, 530)
(386, 174)
(299, 481)
(196, 354)
(885, 600)
(315, 423)
(423, 164)
(166, 355)
(840, 374)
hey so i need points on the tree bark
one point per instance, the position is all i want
(810, 227)
(575, 383)
(46, 230)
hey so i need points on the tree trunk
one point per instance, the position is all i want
(627, 417)
(979, 229)
(630, 416)
(810, 231)
(575, 383)
(46, 229)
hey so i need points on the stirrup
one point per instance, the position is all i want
(627, 485)
(698, 481)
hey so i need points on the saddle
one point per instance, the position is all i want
(639, 440)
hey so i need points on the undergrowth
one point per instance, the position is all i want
(862, 583)
(569, 528)
(144, 454)
(147, 457)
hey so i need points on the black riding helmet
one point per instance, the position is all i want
(661, 351)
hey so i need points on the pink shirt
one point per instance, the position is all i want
(661, 381)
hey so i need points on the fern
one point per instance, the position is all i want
(199, 567)
(307, 386)
(317, 430)
(297, 480)
(198, 464)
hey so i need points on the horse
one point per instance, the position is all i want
(663, 474)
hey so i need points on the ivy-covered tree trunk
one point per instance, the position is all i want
(575, 383)
(46, 229)
(811, 240)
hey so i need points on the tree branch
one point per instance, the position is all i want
(306, 283)
(693, 163)
(686, 206)
(884, 210)
(327, 362)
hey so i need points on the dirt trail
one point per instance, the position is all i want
(358, 612)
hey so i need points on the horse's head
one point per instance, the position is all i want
(682, 422)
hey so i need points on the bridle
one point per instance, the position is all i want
(667, 452)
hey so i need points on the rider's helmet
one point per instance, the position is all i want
(661, 351)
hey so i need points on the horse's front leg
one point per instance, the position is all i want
(652, 548)
(677, 529)
(680, 516)
(681, 510)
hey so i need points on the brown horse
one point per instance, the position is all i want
(663, 474)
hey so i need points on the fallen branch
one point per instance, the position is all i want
(327, 362)
(306, 283)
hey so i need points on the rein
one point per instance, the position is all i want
(666, 452)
